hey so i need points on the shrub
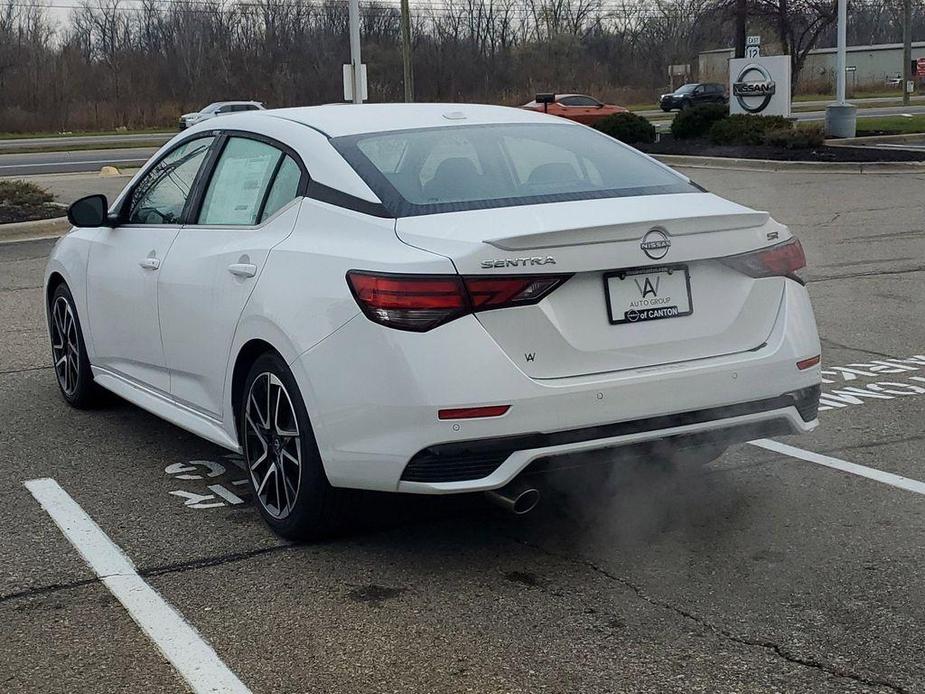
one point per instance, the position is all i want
(741, 129)
(22, 194)
(627, 127)
(796, 138)
(22, 202)
(696, 121)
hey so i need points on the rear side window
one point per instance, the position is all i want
(578, 101)
(285, 188)
(239, 183)
(159, 197)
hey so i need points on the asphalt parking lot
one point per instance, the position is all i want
(764, 571)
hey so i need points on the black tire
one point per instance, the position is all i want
(315, 510)
(69, 355)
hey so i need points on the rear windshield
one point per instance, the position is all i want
(447, 169)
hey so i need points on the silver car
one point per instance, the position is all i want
(219, 108)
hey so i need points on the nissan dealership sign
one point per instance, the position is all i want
(760, 86)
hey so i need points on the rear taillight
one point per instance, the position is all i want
(784, 259)
(422, 302)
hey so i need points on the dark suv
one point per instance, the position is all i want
(693, 94)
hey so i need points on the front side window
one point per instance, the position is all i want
(240, 183)
(159, 198)
(445, 169)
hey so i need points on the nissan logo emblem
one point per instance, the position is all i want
(753, 88)
(655, 243)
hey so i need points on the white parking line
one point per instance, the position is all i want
(176, 638)
(843, 465)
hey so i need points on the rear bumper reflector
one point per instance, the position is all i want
(809, 363)
(472, 460)
(473, 412)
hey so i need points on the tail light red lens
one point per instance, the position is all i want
(473, 412)
(497, 292)
(422, 302)
(783, 259)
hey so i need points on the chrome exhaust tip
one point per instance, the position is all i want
(516, 497)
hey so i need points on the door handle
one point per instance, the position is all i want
(150, 263)
(242, 269)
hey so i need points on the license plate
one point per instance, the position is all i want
(651, 293)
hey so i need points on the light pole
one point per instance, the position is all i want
(841, 117)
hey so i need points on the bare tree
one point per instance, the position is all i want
(798, 24)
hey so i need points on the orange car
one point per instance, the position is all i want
(577, 107)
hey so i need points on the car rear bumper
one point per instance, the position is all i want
(373, 396)
(453, 466)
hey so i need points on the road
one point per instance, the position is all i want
(69, 162)
(761, 572)
(70, 141)
(872, 112)
(14, 161)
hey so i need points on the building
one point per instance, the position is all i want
(873, 65)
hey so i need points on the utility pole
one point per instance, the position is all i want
(841, 117)
(406, 50)
(907, 49)
(355, 62)
(841, 59)
(741, 18)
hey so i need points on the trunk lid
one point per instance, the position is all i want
(586, 326)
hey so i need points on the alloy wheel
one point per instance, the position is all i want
(65, 345)
(272, 445)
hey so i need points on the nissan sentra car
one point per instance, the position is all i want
(428, 299)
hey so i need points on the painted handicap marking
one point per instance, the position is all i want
(194, 500)
(215, 495)
(853, 388)
(181, 470)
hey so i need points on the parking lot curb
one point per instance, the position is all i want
(38, 229)
(728, 163)
(874, 139)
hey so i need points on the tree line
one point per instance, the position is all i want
(114, 64)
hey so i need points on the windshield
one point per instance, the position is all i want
(685, 89)
(432, 170)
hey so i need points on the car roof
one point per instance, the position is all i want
(335, 120)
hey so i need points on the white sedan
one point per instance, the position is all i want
(429, 299)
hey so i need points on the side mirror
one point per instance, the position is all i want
(90, 211)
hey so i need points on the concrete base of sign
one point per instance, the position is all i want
(841, 120)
